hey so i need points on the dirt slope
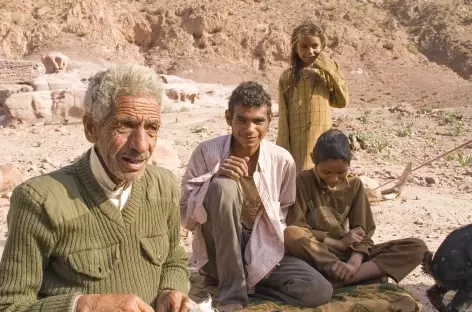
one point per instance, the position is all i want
(383, 46)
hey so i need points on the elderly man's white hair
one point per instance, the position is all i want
(124, 79)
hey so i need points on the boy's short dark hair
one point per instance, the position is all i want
(332, 144)
(250, 94)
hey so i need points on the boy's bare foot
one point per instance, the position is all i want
(228, 307)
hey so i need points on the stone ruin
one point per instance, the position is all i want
(52, 92)
(14, 72)
(55, 62)
(34, 92)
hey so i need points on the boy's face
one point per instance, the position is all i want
(249, 125)
(332, 171)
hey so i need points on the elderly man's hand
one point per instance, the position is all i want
(173, 301)
(112, 302)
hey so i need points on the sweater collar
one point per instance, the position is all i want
(93, 192)
(102, 177)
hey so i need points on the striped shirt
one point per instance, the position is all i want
(275, 181)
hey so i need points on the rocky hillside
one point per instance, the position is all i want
(388, 49)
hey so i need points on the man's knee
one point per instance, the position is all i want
(316, 290)
(310, 287)
(221, 189)
(223, 185)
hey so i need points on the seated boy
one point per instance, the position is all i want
(331, 223)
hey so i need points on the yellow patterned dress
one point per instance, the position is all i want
(305, 111)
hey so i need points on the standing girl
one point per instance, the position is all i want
(307, 90)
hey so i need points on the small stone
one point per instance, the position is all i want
(202, 129)
(7, 195)
(430, 180)
(36, 144)
(61, 129)
(418, 223)
(465, 188)
(47, 160)
(37, 130)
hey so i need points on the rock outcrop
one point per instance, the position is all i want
(13, 72)
(60, 106)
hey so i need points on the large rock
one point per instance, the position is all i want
(165, 155)
(6, 90)
(12, 72)
(52, 107)
(55, 62)
(60, 81)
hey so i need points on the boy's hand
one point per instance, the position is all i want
(354, 236)
(343, 271)
(234, 167)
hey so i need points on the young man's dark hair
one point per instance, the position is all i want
(332, 144)
(250, 94)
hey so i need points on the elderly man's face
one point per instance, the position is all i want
(128, 136)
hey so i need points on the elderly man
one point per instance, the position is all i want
(103, 233)
(235, 196)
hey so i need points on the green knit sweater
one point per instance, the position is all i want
(66, 238)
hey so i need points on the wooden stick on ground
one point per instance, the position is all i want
(407, 172)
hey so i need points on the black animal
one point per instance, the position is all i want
(451, 268)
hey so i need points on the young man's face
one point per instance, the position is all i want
(332, 171)
(249, 125)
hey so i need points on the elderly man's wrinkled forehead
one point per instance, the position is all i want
(140, 108)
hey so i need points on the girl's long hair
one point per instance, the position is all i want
(296, 64)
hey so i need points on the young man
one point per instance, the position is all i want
(235, 196)
(331, 223)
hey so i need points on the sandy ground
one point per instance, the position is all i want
(426, 211)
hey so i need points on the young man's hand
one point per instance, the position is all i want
(343, 271)
(354, 236)
(234, 167)
(173, 301)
